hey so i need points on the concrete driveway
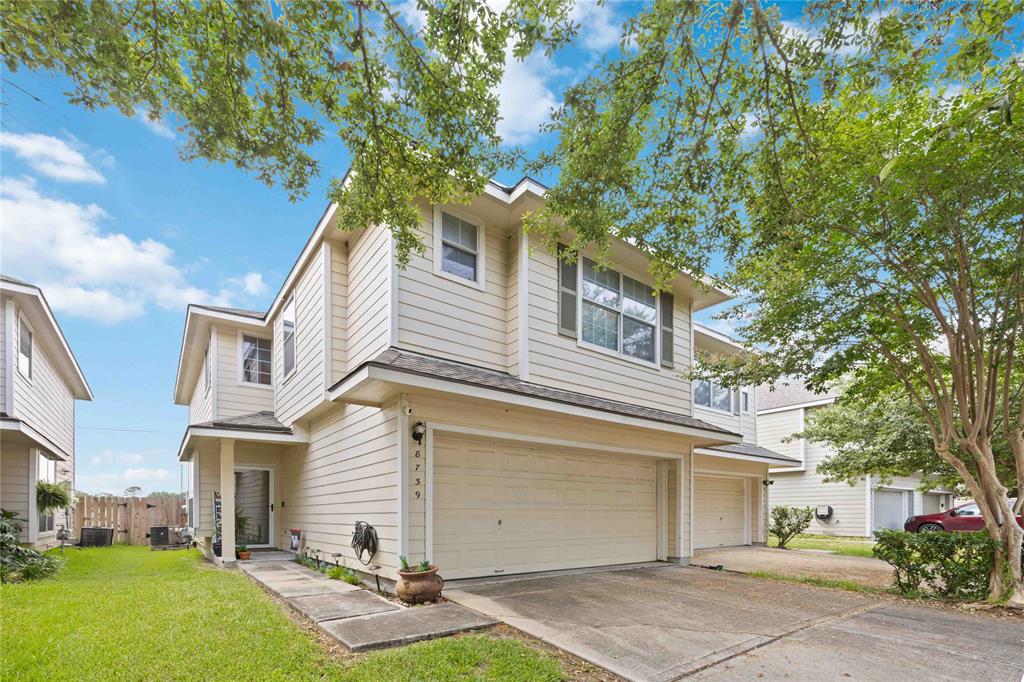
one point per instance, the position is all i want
(798, 562)
(668, 622)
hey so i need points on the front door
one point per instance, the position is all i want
(254, 506)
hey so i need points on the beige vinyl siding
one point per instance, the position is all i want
(44, 402)
(14, 481)
(3, 358)
(339, 310)
(748, 420)
(349, 473)
(512, 304)
(675, 468)
(369, 272)
(233, 397)
(303, 389)
(200, 407)
(558, 361)
(808, 488)
(774, 428)
(442, 317)
(496, 419)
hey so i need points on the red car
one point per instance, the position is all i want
(966, 518)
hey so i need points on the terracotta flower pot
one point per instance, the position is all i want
(416, 587)
(245, 556)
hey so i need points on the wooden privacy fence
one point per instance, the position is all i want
(130, 517)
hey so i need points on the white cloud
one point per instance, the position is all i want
(599, 29)
(85, 269)
(750, 128)
(156, 126)
(526, 99)
(115, 483)
(254, 284)
(52, 157)
(111, 457)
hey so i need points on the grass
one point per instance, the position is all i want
(848, 585)
(837, 545)
(128, 613)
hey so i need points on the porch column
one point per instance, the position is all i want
(227, 501)
(682, 510)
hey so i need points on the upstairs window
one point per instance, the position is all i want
(288, 336)
(713, 396)
(256, 358)
(460, 242)
(24, 349)
(618, 313)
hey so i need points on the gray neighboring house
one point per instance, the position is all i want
(855, 510)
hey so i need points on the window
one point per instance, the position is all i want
(46, 470)
(25, 349)
(968, 510)
(256, 357)
(708, 394)
(618, 313)
(288, 336)
(459, 247)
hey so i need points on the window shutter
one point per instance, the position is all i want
(667, 338)
(566, 295)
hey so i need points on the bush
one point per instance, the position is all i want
(949, 565)
(17, 562)
(343, 573)
(788, 522)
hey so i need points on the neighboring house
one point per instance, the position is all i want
(855, 509)
(487, 407)
(40, 381)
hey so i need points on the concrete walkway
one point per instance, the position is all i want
(357, 618)
(666, 623)
(798, 562)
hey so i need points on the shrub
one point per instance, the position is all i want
(953, 566)
(343, 573)
(788, 522)
(17, 562)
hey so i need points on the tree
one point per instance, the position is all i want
(788, 522)
(132, 491)
(258, 84)
(873, 219)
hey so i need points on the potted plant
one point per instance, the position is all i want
(52, 496)
(243, 553)
(418, 584)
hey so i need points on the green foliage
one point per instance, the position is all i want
(261, 84)
(845, 546)
(17, 562)
(404, 562)
(222, 619)
(342, 573)
(952, 566)
(53, 496)
(848, 585)
(418, 568)
(424, 566)
(787, 522)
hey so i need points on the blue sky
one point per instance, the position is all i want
(98, 209)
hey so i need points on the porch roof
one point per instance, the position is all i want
(261, 427)
(747, 451)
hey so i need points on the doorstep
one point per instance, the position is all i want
(357, 618)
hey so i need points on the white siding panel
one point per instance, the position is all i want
(200, 407)
(45, 402)
(369, 269)
(438, 316)
(774, 429)
(302, 390)
(14, 481)
(233, 397)
(558, 361)
(3, 357)
(339, 310)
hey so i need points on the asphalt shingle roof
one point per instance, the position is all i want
(259, 315)
(790, 394)
(257, 421)
(752, 450)
(425, 365)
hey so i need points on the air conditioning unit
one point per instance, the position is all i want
(160, 536)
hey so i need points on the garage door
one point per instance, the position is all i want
(933, 503)
(890, 509)
(503, 507)
(719, 512)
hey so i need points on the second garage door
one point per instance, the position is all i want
(719, 513)
(503, 508)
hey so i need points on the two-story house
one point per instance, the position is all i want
(488, 407)
(840, 508)
(40, 380)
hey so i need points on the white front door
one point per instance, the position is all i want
(503, 507)
(254, 506)
(720, 511)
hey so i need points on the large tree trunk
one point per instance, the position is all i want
(1006, 581)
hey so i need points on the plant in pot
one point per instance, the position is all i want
(241, 532)
(418, 584)
(52, 496)
(243, 553)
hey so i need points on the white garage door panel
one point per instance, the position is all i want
(719, 511)
(556, 509)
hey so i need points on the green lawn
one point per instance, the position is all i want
(836, 545)
(128, 613)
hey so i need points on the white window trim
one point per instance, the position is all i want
(208, 367)
(481, 248)
(239, 374)
(732, 397)
(32, 351)
(621, 355)
(745, 393)
(295, 335)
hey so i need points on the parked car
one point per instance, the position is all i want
(965, 518)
